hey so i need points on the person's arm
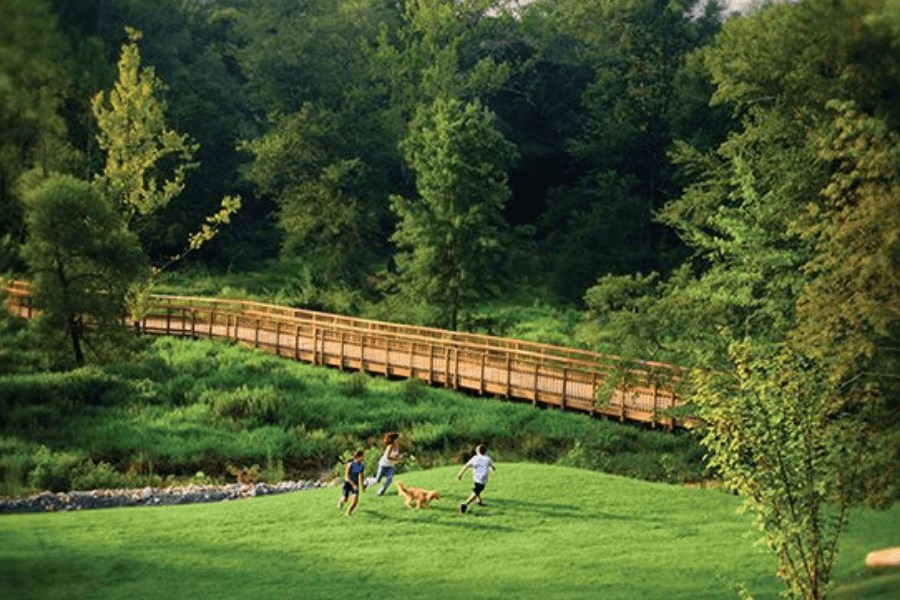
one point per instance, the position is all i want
(394, 455)
(347, 472)
(359, 481)
(461, 471)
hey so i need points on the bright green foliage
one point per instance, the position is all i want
(83, 260)
(849, 303)
(848, 309)
(137, 141)
(450, 238)
(777, 435)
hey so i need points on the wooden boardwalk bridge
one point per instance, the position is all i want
(543, 374)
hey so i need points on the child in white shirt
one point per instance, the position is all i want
(481, 465)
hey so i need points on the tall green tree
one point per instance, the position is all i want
(450, 238)
(793, 223)
(83, 259)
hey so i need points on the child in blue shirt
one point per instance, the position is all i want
(353, 481)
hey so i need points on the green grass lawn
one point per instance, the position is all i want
(546, 532)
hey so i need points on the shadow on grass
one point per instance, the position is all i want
(203, 570)
(439, 517)
(550, 509)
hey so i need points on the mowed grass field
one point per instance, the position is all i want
(545, 532)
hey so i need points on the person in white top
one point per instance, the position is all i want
(481, 465)
(386, 463)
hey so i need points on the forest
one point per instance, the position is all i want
(689, 185)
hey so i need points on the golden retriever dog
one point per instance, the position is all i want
(419, 496)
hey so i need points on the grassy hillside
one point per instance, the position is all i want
(195, 410)
(546, 532)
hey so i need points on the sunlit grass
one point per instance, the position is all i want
(546, 532)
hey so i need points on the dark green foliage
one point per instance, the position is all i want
(43, 404)
(357, 385)
(83, 259)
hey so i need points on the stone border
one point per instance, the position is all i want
(110, 498)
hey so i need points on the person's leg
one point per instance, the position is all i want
(389, 477)
(353, 502)
(475, 495)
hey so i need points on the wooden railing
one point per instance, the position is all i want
(543, 374)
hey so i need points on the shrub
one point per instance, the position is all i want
(53, 471)
(261, 404)
(91, 476)
(356, 385)
(414, 390)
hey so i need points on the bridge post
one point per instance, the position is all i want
(431, 363)
(481, 383)
(315, 357)
(508, 373)
(446, 366)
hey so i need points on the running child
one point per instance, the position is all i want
(481, 465)
(353, 481)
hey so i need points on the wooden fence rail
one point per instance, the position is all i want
(542, 374)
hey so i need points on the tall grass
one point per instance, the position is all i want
(546, 532)
(179, 407)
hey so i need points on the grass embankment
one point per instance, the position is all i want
(546, 532)
(179, 410)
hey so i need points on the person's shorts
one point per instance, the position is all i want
(348, 489)
(478, 487)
